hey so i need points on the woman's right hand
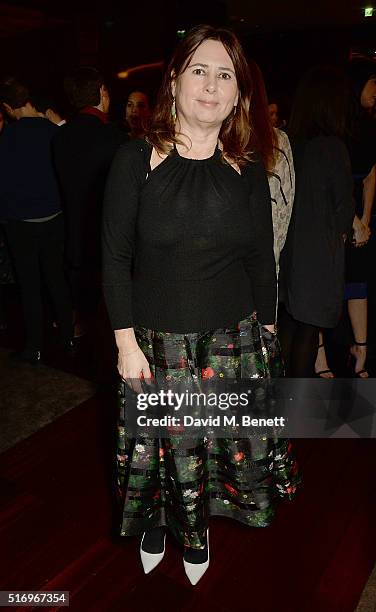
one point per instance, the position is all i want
(361, 235)
(132, 367)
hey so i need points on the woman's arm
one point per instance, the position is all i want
(369, 188)
(118, 245)
(260, 263)
(282, 189)
(118, 236)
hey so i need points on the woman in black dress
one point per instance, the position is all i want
(312, 262)
(188, 262)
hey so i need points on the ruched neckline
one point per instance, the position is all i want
(216, 155)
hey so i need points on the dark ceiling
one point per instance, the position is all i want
(16, 19)
(18, 16)
(46, 37)
(297, 13)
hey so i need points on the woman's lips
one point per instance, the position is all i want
(205, 103)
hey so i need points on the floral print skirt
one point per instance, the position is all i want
(179, 482)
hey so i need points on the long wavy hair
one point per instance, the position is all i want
(237, 130)
(264, 138)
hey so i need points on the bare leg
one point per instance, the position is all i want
(321, 365)
(358, 317)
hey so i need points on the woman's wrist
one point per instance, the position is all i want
(125, 352)
(126, 341)
(357, 224)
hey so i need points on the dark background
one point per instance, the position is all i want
(43, 40)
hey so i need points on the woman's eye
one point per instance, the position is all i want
(198, 71)
(225, 75)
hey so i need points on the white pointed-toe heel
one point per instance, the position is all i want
(195, 571)
(151, 560)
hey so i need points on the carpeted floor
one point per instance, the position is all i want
(368, 599)
(31, 397)
(56, 504)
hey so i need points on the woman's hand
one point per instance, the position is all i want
(132, 367)
(132, 363)
(270, 328)
(361, 234)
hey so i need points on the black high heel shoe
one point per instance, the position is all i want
(196, 562)
(353, 360)
(152, 548)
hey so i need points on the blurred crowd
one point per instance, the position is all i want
(322, 184)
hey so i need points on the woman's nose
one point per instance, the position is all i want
(211, 83)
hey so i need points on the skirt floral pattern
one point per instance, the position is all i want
(180, 483)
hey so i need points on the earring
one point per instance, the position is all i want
(173, 109)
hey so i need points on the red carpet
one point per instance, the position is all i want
(56, 520)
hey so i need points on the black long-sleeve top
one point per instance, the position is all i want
(188, 246)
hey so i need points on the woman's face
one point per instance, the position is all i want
(273, 112)
(207, 91)
(137, 109)
(368, 95)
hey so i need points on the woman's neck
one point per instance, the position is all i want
(199, 143)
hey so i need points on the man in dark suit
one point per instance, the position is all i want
(83, 151)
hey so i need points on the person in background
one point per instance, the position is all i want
(277, 117)
(313, 258)
(279, 164)
(360, 140)
(46, 105)
(83, 150)
(362, 149)
(187, 263)
(137, 114)
(274, 114)
(31, 206)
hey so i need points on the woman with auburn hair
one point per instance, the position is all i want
(190, 286)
